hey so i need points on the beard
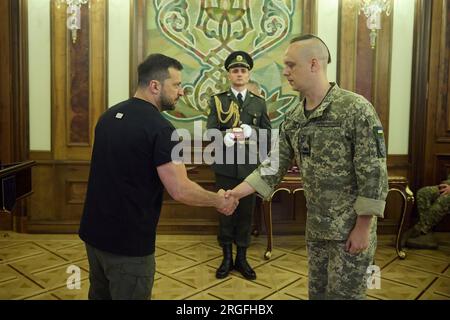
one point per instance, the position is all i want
(167, 104)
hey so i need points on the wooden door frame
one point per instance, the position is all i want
(15, 100)
(14, 105)
(419, 92)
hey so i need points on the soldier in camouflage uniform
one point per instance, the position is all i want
(231, 110)
(433, 203)
(337, 141)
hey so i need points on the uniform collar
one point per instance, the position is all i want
(243, 92)
(326, 102)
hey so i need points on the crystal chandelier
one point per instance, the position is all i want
(73, 15)
(372, 10)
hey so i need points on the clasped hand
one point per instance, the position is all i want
(226, 205)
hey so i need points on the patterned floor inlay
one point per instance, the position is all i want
(37, 267)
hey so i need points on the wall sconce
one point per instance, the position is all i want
(73, 15)
(373, 10)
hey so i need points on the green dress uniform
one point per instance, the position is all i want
(228, 111)
(237, 227)
(341, 152)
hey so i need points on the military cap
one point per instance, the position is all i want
(239, 59)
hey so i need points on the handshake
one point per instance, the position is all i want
(227, 202)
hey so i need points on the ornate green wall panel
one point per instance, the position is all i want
(201, 34)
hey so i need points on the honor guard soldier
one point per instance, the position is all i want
(239, 114)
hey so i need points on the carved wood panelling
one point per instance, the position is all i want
(14, 140)
(58, 206)
(59, 195)
(365, 56)
(361, 69)
(137, 36)
(78, 100)
(5, 83)
(309, 23)
(419, 94)
(78, 80)
(75, 191)
(443, 102)
(382, 74)
(14, 122)
(437, 146)
(77, 117)
(347, 49)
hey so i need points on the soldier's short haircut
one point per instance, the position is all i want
(156, 67)
(305, 37)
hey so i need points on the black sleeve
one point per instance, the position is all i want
(165, 141)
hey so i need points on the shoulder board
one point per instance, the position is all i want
(220, 93)
(258, 96)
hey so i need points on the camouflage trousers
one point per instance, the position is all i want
(432, 207)
(335, 274)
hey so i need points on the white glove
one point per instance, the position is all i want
(228, 139)
(247, 130)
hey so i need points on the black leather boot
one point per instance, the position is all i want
(227, 262)
(242, 265)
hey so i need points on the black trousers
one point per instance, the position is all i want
(237, 227)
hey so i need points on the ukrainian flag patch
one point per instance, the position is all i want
(379, 138)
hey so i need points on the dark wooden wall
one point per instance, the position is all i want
(13, 82)
(14, 137)
(5, 83)
(430, 112)
(437, 143)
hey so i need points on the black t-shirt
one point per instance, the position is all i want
(124, 195)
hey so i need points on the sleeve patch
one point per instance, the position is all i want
(379, 138)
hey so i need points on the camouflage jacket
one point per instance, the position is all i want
(254, 113)
(341, 154)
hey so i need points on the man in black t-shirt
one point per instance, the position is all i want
(130, 167)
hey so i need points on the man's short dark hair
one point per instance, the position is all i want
(304, 37)
(156, 67)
